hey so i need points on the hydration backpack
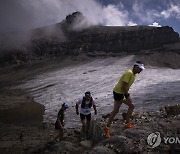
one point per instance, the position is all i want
(84, 102)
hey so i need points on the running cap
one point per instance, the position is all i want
(139, 64)
(65, 105)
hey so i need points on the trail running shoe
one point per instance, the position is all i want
(129, 125)
(107, 131)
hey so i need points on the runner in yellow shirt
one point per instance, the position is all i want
(121, 95)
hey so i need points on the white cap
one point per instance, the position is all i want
(140, 65)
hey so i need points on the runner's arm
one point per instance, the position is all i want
(95, 111)
(60, 125)
(125, 87)
(77, 109)
(77, 106)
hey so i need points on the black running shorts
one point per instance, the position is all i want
(88, 117)
(119, 97)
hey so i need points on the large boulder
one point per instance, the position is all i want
(172, 109)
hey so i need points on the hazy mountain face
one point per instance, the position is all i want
(20, 15)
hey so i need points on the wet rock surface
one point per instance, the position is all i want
(154, 87)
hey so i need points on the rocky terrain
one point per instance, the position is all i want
(31, 139)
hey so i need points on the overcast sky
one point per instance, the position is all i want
(25, 14)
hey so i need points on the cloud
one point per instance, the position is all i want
(22, 15)
(172, 11)
(144, 14)
(112, 16)
(155, 24)
(18, 15)
(131, 24)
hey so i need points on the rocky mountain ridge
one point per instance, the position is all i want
(74, 36)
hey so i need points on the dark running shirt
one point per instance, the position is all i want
(61, 118)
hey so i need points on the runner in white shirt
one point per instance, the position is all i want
(85, 111)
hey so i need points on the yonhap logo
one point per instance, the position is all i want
(154, 139)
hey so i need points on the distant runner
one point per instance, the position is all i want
(121, 95)
(85, 111)
(59, 124)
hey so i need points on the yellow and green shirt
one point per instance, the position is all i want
(127, 77)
